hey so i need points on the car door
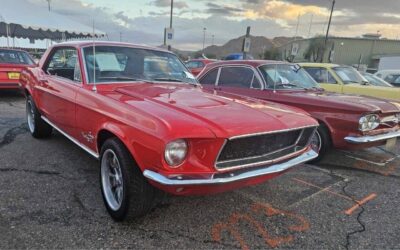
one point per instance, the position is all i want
(239, 79)
(326, 78)
(59, 83)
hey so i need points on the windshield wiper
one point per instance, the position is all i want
(119, 78)
(167, 79)
(287, 84)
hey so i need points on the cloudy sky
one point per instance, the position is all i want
(143, 21)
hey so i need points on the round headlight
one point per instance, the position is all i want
(369, 122)
(175, 152)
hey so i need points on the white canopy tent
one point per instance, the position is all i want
(22, 19)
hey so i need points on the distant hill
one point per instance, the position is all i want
(258, 45)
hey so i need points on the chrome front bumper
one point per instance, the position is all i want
(372, 138)
(231, 177)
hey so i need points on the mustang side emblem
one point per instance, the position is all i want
(88, 136)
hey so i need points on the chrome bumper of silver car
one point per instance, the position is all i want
(372, 138)
(231, 177)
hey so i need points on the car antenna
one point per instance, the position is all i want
(275, 74)
(94, 61)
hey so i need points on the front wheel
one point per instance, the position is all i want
(320, 143)
(37, 127)
(126, 192)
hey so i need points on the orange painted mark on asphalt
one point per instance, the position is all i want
(232, 226)
(348, 211)
(359, 203)
(322, 189)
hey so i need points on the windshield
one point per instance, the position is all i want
(113, 64)
(287, 76)
(376, 81)
(15, 57)
(349, 75)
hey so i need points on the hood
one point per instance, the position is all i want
(225, 117)
(362, 104)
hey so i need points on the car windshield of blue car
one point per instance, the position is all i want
(114, 64)
(287, 76)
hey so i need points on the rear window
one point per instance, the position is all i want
(15, 57)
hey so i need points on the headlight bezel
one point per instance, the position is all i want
(173, 158)
(369, 122)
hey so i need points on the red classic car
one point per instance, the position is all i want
(197, 65)
(145, 117)
(346, 121)
(12, 61)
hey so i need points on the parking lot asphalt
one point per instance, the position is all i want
(50, 198)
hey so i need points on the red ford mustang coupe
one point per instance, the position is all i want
(152, 127)
(12, 61)
(346, 121)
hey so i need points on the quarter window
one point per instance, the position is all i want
(64, 63)
(238, 77)
(210, 77)
(321, 75)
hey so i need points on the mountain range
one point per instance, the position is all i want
(259, 44)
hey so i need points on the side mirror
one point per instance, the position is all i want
(364, 83)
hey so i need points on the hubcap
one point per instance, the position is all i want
(31, 116)
(111, 178)
(316, 142)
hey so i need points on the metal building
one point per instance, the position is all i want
(366, 50)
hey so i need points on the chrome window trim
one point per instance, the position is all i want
(240, 66)
(47, 62)
(219, 67)
(278, 63)
(91, 152)
(126, 46)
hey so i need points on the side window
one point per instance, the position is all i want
(321, 75)
(238, 77)
(64, 63)
(210, 77)
(389, 78)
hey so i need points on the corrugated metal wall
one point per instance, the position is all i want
(348, 50)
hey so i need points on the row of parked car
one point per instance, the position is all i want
(156, 128)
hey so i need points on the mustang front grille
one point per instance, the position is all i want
(259, 149)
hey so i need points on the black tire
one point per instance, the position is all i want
(324, 137)
(138, 196)
(36, 126)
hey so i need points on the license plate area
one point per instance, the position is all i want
(13, 75)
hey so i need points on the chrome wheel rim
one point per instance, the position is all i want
(316, 142)
(111, 178)
(30, 113)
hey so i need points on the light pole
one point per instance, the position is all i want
(212, 40)
(48, 3)
(204, 38)
(327, 30)
(170, 19)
